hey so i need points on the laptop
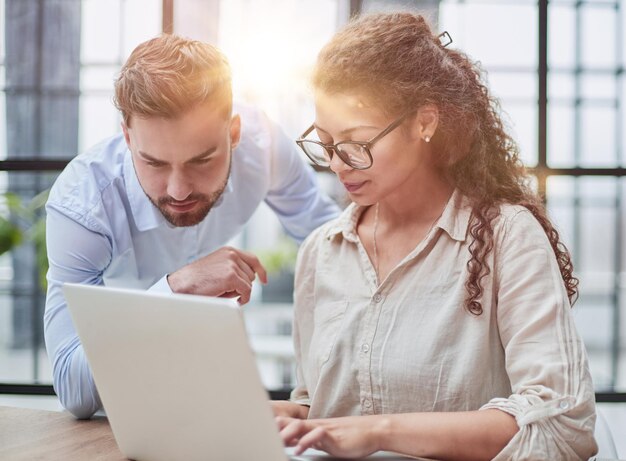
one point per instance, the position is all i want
(177, 376)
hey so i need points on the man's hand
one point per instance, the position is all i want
(227, 272)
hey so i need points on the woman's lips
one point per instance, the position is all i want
(353, 186)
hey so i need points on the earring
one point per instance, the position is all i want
(426, 138)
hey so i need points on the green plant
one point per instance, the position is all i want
(281, 258)
(25, 223)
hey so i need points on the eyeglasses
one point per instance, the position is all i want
(355, 154)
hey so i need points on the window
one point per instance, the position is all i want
(57, 66)
(557, 67)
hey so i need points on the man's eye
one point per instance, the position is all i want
(155, 164)
(202, 161)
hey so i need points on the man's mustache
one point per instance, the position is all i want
(191, 198)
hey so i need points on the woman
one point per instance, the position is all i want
(433, 317)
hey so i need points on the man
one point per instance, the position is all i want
(152, 208)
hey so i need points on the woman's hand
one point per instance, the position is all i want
(288, 409)
(347, 437)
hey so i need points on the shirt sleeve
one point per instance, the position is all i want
(79, 255)
(161, 286)
(294, 193)
(553, 399)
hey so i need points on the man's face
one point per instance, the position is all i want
(183, 163)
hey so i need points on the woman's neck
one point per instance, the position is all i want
(421, 205)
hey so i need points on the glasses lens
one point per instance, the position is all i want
(316, 153)
(354, 155)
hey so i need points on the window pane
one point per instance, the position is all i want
(598, 36)
(22, 287)
(514, 85)
(621, 139)
(272, 49)
(98, 78)
(586, 214)
(108, 120)
(503, 35)
(561, 135)
(523, 121)
(100, 19)
(142, 20)
(561, 36)
(561, 87)
(599, 87)
(503, 38)
(112, 28)
(597, 134)
(3, 120)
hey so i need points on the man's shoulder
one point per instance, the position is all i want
(81, 184)
(256, 127)
(248, 112)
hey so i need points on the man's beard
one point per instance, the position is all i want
(205, 203)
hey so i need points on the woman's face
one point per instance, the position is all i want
(400, 159)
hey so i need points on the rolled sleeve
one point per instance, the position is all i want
(553, 398)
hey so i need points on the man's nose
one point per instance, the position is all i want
(179, 186)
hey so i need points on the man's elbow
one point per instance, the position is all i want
(79, 402)
(79, 410)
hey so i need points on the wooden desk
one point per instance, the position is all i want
(29, 435)
(38, 435)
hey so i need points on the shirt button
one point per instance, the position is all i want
(365, 348)
(378, 298)
(367, 404)
(564, 405)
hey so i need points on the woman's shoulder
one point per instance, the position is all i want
(325, 235)
(332, 228)
(518, 223)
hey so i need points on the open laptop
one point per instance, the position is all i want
(176, 375)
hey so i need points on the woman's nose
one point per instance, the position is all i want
(337, 164)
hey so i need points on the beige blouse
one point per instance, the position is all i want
(408, 345)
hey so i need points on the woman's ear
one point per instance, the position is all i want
(427, 121)
(235, 131)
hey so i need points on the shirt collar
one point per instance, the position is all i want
(346, 223)
(146, 215)
(454, 220)
(456, 216)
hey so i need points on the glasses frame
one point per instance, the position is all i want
(335, 148)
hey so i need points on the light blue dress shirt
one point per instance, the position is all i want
(103, 229)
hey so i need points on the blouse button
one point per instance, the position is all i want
(367, 404)
(378, 298)
(365, 348)
(564, 405)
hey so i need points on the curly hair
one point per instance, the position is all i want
(168, 75)
(398, 62)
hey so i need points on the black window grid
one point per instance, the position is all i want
(542, 170)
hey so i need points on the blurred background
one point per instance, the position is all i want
(557, 68)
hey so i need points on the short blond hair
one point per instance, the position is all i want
(169, 75)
